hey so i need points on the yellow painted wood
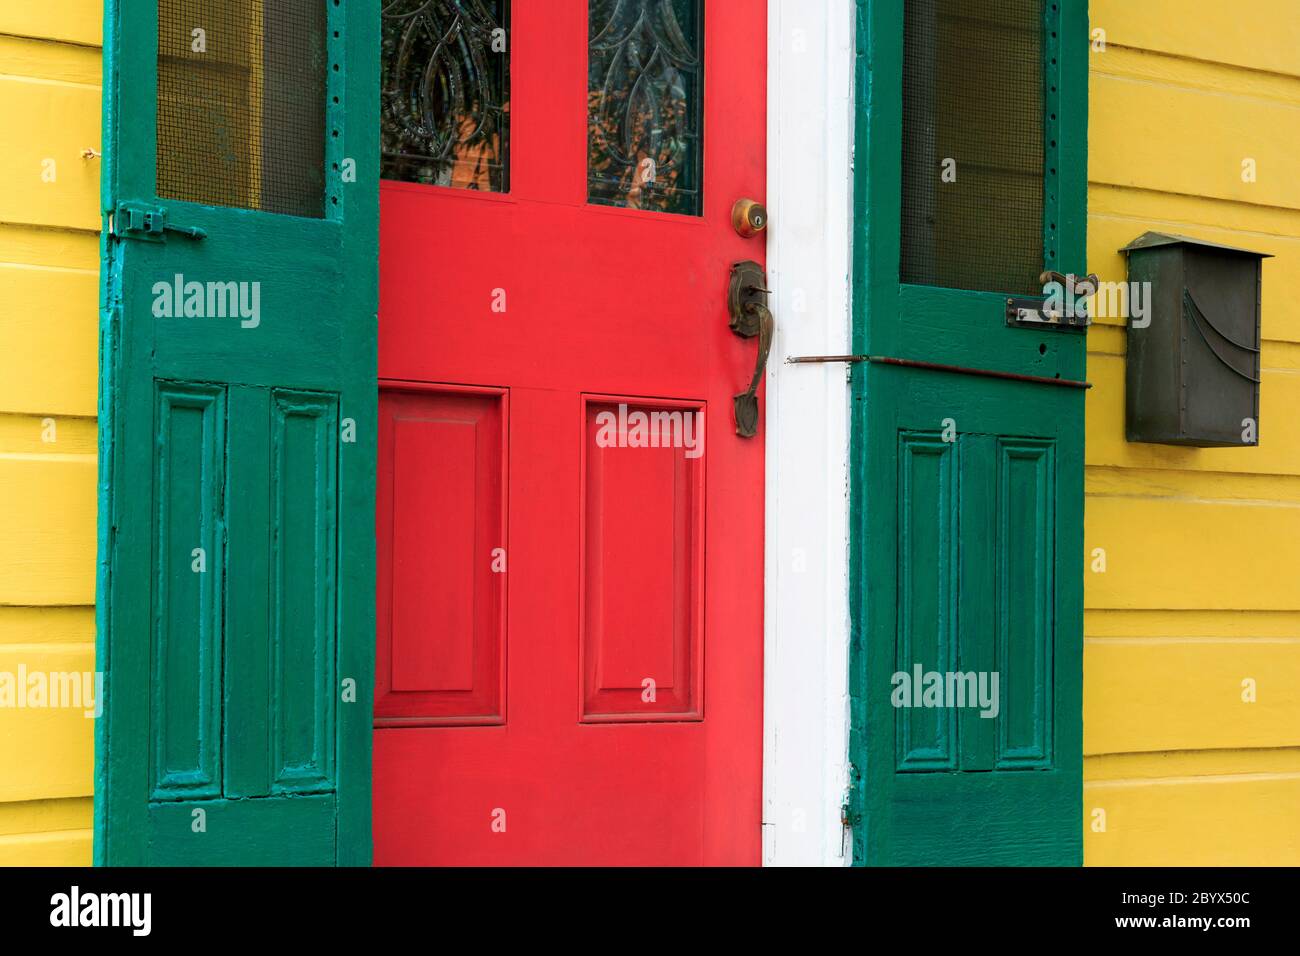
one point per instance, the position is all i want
(1260, 34)
(58, 248)
(1192, 142)
(1176, 553)
(1150, 67)
(47, 529)
(49, 325)
(46, 832)
(1170, 483)
(73, 21)
(47, 625)
(1171, 209)
(1202, 546)
(1233, 820)
(49, 275)
(49, 751)
(47, 434)
(43, 122)
(1105, 622)
(39, 59)
(1153, 694)
(57, 848)
(37, 815)
(1137, 767)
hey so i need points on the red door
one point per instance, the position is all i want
(570, 528)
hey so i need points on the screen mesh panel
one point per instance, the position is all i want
(973, 149)
(241, 103)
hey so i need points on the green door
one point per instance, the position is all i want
(967, 527)
(237, 443)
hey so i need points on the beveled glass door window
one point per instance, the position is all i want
(645, 83)
(445, 93)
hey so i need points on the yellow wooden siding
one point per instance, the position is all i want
(1200, 596)
(49, 275)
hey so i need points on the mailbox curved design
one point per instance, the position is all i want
(1193, 363)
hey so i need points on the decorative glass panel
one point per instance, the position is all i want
(645, 82)
(445, 89)
(241, 104)
(973, 144)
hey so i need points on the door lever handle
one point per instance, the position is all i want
(750, 317)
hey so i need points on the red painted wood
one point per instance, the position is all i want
(441, 518)
(642, 585)
(614, 568)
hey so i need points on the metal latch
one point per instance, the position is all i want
(1034, 313)
(138, 220)
(1067, 311)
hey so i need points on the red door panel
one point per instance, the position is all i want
(598, 701)
(642, 537)
(441, 557)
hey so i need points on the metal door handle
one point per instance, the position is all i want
(750, 317)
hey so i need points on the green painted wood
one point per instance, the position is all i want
(226, 686)
(967, 552)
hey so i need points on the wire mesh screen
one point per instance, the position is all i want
(973, 151)
(241, 103)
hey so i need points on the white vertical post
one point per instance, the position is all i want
(806, 640)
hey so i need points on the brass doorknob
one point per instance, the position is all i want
(748, 218)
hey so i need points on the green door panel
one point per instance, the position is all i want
(237, 437)
(967, 504)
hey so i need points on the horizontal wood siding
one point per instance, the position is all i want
(1201, 590)
(49, 281)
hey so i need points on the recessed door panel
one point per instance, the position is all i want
(442, 557)
(185, 685)
(642, 561)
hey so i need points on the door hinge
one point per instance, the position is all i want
(148, 222)
(849, 818)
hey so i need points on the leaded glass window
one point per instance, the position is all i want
(645, 86)
(445, 93)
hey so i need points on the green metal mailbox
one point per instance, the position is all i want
(1193, 359)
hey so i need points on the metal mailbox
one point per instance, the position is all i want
(1193, 365)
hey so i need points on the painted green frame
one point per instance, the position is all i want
(129, 172)
(878, 295)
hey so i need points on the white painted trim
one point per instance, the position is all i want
(806, 630)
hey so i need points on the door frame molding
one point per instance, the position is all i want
(810, 90)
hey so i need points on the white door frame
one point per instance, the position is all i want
(806, 614)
